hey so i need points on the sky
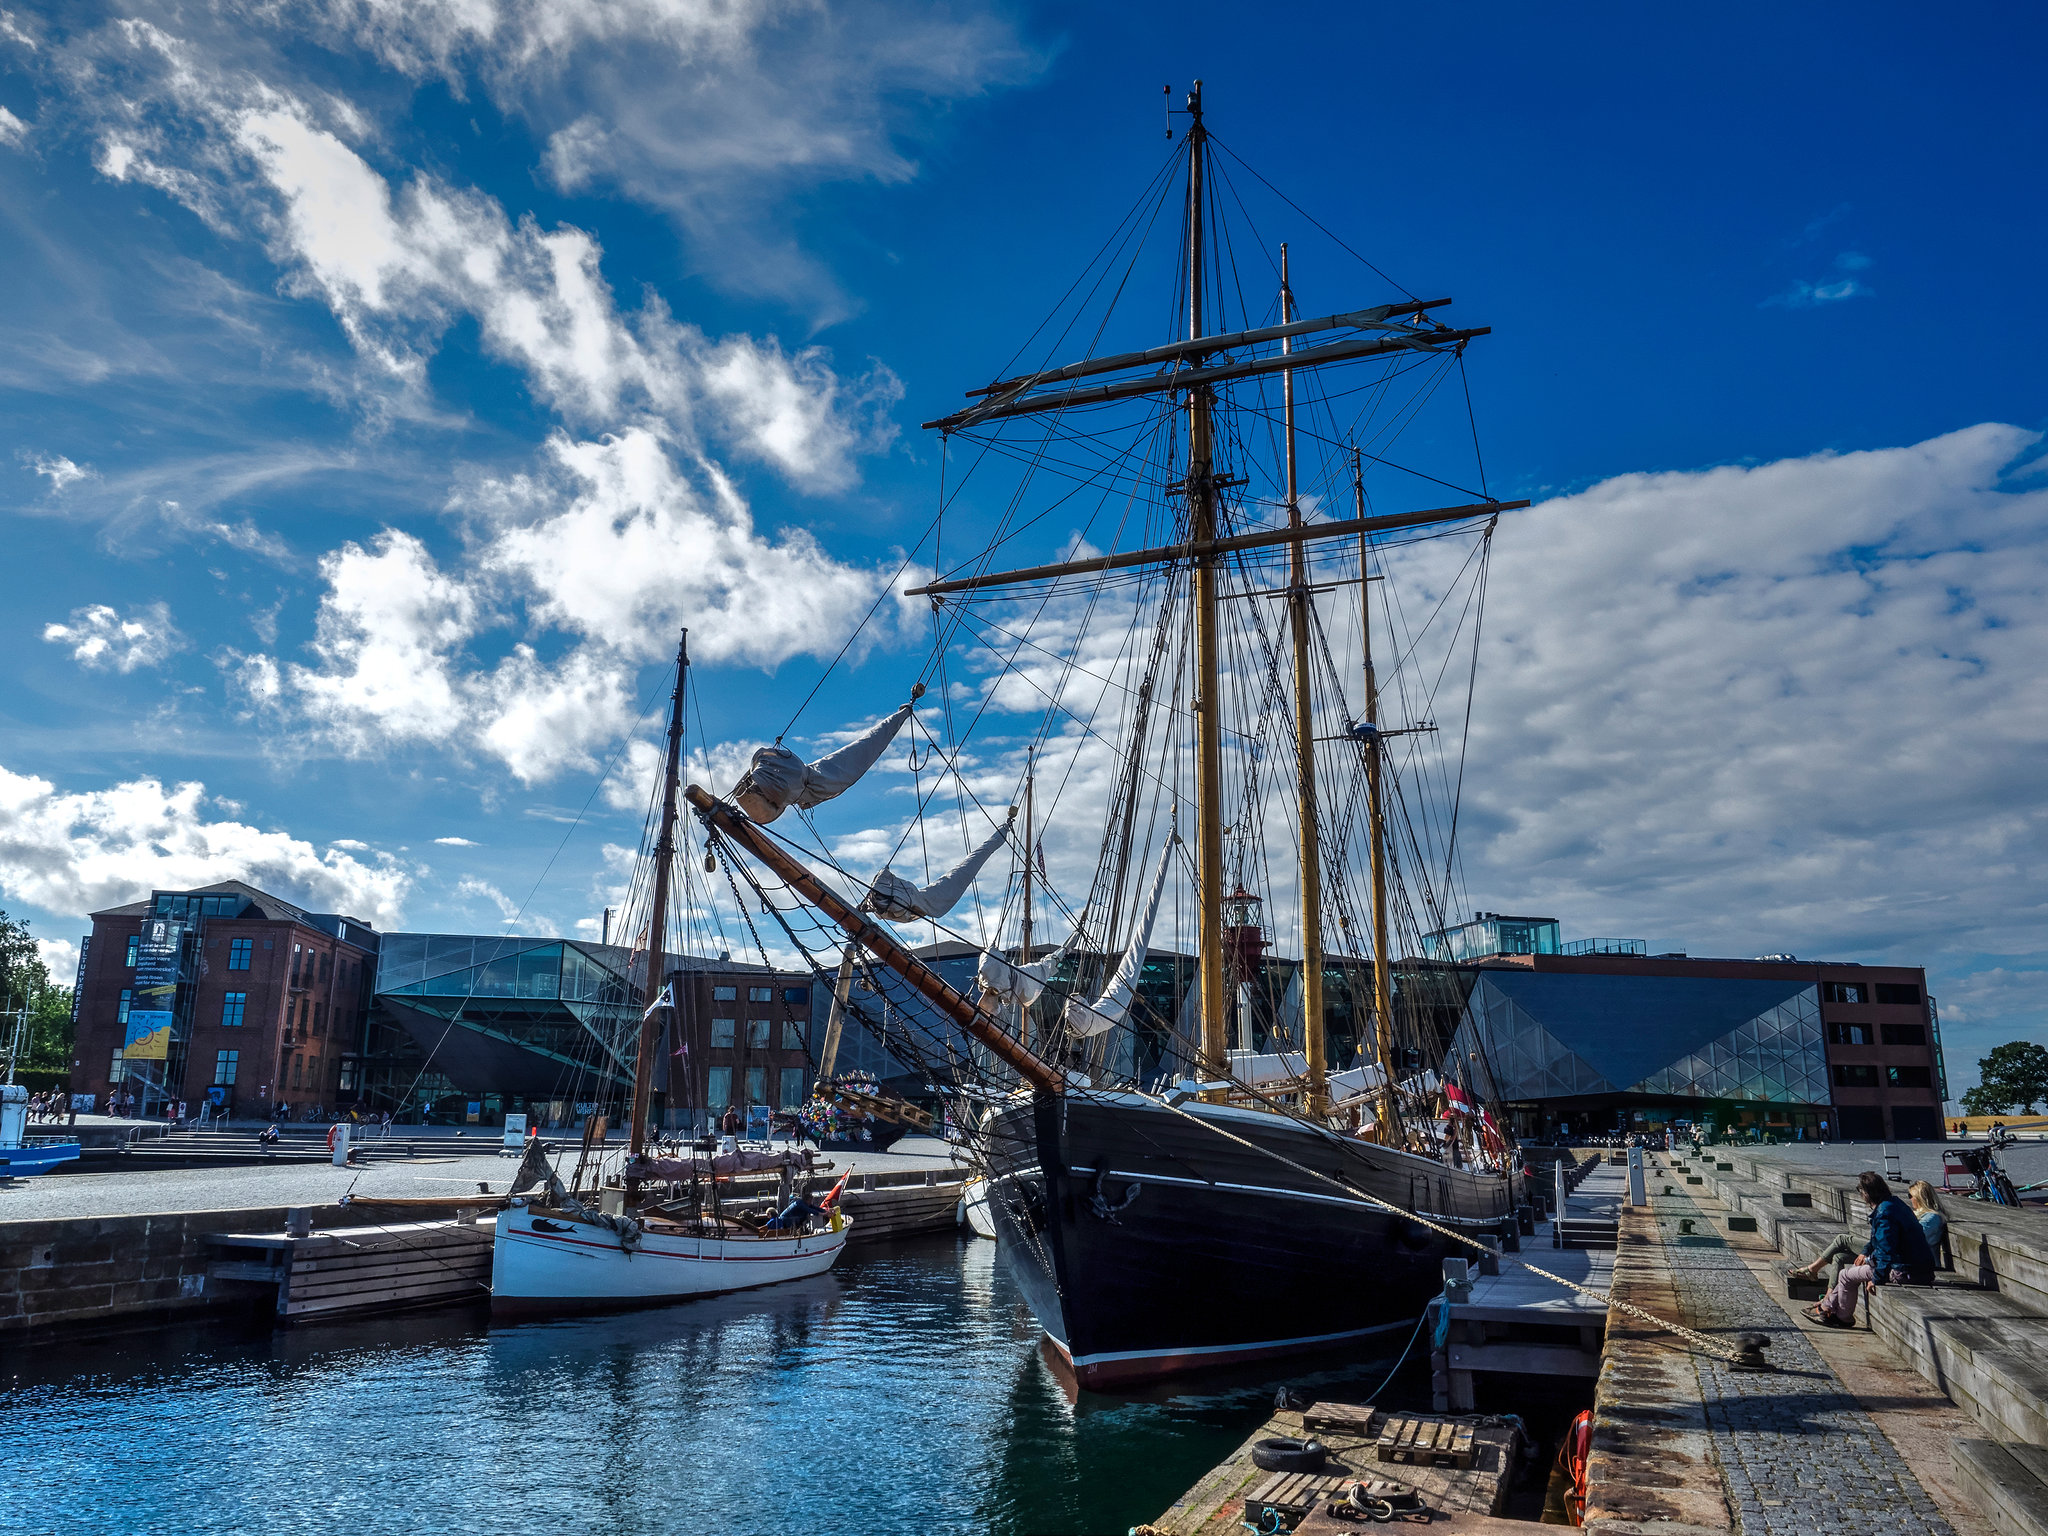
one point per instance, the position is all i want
(389, 379)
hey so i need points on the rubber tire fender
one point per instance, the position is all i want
(1281, 1454)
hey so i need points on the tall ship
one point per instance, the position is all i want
(1198, 1150)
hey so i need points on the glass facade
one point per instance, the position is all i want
(1492, 933)
(1547, 1036)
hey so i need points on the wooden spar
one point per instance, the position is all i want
(829, 1056)
(1376, 822)
(657, 917)
(1208, 700)
(1357, 319)
(1024, 953)
(1317, 1092)
(1202, 378)
(1196, 549)
(732, 823)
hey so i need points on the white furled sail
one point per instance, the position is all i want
(778, 778)
(1087, 1020)
(1019, 984)
(895, 898)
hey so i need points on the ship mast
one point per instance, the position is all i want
(1376, 818)
(1208, 701)
(1304, 749)
(1024, 953)
(657, 918)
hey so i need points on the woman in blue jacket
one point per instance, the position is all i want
(1898, 1255)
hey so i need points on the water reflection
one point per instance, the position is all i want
(901, 1393)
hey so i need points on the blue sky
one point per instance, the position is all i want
(380, 370)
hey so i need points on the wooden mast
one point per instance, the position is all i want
(1024, 953)
(1208, 701)
(1305, 750)
(657, 917)
(1376, 817)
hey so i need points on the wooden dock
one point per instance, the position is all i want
(885, 1206)
(1520, 1324)
(351, 1270)
(1452, 1494)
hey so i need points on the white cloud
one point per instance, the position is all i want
(102, 639)
(456, 842)
(482, 890)
(12, 129)
(1810, 295)
(76, 852)
(61, 958)
(59, 470)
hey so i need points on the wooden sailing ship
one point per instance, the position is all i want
(1246, 1202)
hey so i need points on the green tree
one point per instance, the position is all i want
(25, 981)
(2014, 1075)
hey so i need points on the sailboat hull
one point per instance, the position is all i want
(543, 1263)
(1149, 1245)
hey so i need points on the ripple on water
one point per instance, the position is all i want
(904, 1390)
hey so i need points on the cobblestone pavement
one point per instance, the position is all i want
(1798, 1454)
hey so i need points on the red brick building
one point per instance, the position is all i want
(269, 1009)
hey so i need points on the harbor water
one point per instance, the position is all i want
(905, 1392)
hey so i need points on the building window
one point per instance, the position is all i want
(725, 994)
(1907, 1077)
(134, 949)
(757, 1085)
(792, 1034)
(224, 1063)
(722, 1032)
(757, 1034)
(299, 1065)
(1897, 992)
(232, 1005)
(760, 994)
(718, 1093)
(1905, 1034)
(117, 1069)
(127, 1002)
(1855, 1077)
(1849, 1034)
(238, 953)
(792, 1087)
(319, 1018)
(348, 1074)
(1846, 992)
(327, 965)
(796, 994)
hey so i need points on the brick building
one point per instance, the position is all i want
(265, 1002)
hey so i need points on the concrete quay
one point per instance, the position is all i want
(107, 1251)
(1928, 1419)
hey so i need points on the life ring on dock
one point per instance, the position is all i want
(1282, 1454)
(1573, 1458)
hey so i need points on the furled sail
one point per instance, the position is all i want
(899, 901)
(778, 778)
(1016, 983)
(1087, 1019)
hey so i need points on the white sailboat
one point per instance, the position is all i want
(557, 1251)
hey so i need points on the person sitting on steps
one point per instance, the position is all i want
(1927, 1206)
(1897, 1255)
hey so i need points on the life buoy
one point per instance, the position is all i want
(1573, 1458)
(333, 1131)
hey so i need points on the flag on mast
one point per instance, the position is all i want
(666, 1000)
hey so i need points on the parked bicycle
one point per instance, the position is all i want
(1988, 1178)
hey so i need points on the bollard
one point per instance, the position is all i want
(1559, 1193)
(341, 1144)
(298, 1222)
(1636, 1195)
(1457, 1281)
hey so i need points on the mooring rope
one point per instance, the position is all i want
(1711, 1346)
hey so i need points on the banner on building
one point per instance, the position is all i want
(156, 990)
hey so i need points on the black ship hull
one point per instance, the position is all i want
(1149, 1245)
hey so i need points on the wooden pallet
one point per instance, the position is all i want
(1425, 1442)
(1340, 1418)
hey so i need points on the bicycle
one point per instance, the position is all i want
(1981, 1163)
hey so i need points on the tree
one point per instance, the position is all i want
(24, 979)
(2013, 1075)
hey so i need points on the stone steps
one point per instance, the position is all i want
(2007, 1483)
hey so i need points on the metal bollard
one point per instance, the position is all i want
(1636, 1194)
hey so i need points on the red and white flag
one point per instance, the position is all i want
(1457, 1098)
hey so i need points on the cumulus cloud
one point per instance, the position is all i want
(12, 129)
(76, 852)
(104, 640)
(456, 842)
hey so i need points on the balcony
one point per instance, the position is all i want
(1605, 947)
